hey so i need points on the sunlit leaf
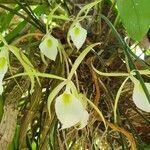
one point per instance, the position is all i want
(135, 17)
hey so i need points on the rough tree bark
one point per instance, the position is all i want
(9, 119)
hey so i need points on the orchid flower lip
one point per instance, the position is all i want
(70, 111)
(139, 97)
(78, 35)
(49, 46)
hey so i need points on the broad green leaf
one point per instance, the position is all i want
(135, 15)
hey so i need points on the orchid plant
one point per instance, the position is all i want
(139, 97)
(70, 110)
(78, 35)
(71, 107)
(49, 46)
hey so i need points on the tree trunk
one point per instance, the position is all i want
(9, 120)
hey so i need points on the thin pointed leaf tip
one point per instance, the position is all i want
(70, 111)
(3, 68)
(139, 97)
(78, 35)
(49, 47)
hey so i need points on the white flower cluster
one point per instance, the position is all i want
(49, 44)
(69, 108)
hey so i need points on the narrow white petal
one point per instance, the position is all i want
(49, 47)
(69, 110)
(78, 35)
(140, 98)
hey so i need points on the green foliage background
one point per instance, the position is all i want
(25, 121)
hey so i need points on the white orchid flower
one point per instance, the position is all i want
(49, 47)
(139, 97)
(70, 111)
(78, 35)
(3, 67)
